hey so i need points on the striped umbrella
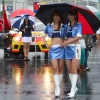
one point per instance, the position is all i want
(18, 20)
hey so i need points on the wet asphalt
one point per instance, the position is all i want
(33, 80)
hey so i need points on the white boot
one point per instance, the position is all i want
(70, 77)
(57, 84)
(60, 77)
(73, 88)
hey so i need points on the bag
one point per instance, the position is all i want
(82, 43)
(89, 42)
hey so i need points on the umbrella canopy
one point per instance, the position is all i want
(90, 23)
(22, 11)
(18, 20)
(94, 10)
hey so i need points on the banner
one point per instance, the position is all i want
(35, 6)
(6, 23)
(9, 8)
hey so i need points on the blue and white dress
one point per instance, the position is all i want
(56, 51)
(72, 50)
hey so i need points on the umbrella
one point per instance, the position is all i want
(18, 20)
(22, 11)
(90, 23)
(94, 10)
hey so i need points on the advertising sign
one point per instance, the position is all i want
(9, 8)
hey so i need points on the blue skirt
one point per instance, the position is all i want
(71, 51)
(56, 53)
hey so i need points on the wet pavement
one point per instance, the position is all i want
(33, 80)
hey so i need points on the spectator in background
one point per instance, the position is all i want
(83, 46)
(89, 45)
(86, 68)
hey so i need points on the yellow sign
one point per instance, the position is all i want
(42, 3)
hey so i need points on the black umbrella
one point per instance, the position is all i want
(89, 21)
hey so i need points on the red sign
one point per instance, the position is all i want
(36, 6)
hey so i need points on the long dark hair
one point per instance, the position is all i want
(24, 24)
(58, 13)
(74, 13)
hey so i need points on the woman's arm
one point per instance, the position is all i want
(45, 42)
(22, 28)
(44, 37)
(32, 27)
(72, 40)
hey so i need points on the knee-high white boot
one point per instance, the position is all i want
(70, 77)
(57, 85)
(60, 77)
(73, 88)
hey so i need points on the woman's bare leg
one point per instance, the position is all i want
(56, 77)
(61, 67)
(27, 49)
(24, 49)
(54, 64)
(69, 64)
(75, 64)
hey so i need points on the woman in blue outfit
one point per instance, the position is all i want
(72, 49)
(55, 30)
(26, 29)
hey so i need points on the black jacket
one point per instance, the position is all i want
(28, 30)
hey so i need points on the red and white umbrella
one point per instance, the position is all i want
(22, 11)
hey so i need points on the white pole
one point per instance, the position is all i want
(98, 5)
(87, 2)
(35, 45)
(75, 1)
(35, 40)
(14, 5)
(25, 4)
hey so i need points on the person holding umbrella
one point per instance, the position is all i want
(56, 29)
(72, 48)
(26, 29)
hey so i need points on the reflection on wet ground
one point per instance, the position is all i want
(33, 80)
